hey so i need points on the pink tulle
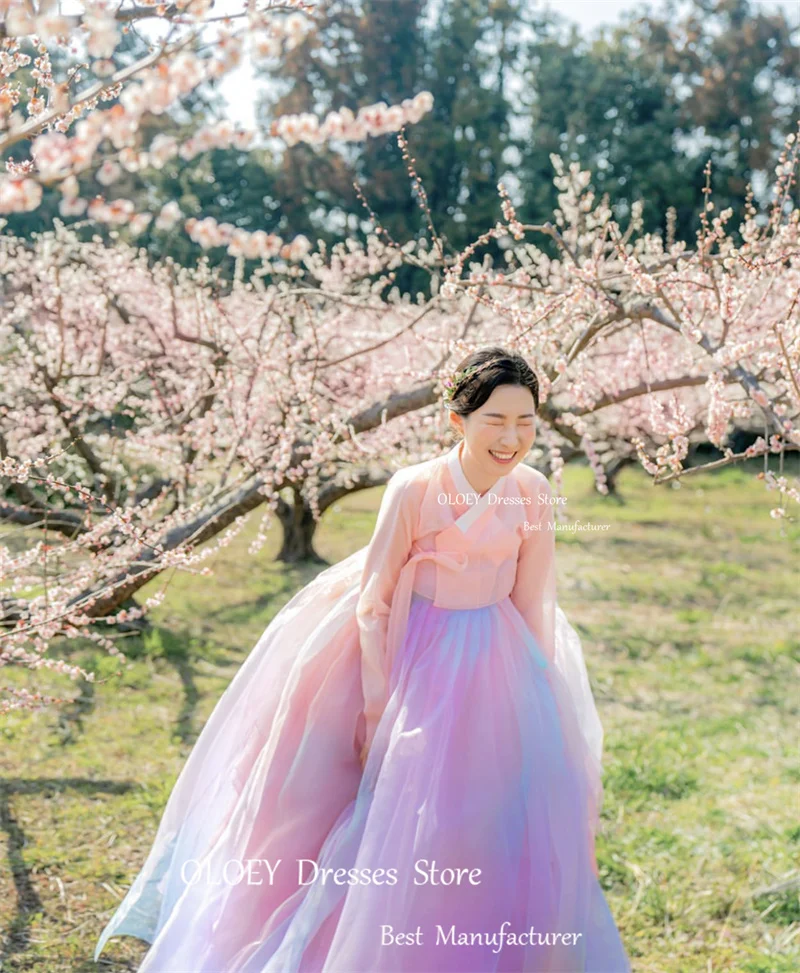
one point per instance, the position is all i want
(479, 762)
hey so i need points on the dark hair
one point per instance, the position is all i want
(494, 366)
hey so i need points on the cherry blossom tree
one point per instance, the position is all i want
(146, 409)
(69, 132)
(84, 119)
(715, 327)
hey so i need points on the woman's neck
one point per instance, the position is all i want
(474, 475)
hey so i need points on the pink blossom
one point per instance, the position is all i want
(334, 126)
(51, 26)
(295, 28)
(69, 187)
(91, 127)
(19, 195)
(224, 232)
(242, 139)
(97, 209)
(223, 132)
(120, 127)
(133, 98)
(120, 211)
(272, 246)
(239, 243)
(195, 8)
(108, 173)
(418, 106)
(72, 206)
(159, 93)
(18, 22)
(186, 71)
(204, 232)
(116, 211)
(299, 247)
(131, 160)
(162, 149)
(139, 223)
(266, 45)
(104, 67)
(82, 152)
(52, 154)
(357, 131)
(168, 216)
(103, 33)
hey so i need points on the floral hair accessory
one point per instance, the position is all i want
(452, 383)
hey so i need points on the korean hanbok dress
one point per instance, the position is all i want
(442, 646)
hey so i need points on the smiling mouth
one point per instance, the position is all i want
(503, 458)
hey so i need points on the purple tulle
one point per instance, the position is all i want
(485, 760)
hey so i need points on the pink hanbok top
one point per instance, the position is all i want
(436, 536)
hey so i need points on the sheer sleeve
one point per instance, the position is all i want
(534, 592)
(388, 551)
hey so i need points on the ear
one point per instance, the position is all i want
(456, 422)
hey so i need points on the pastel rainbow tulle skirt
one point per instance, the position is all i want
(466, 845)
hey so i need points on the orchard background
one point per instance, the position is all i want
(218, 340)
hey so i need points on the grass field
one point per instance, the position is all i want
(689, 612)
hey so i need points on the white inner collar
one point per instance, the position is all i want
(476, 508)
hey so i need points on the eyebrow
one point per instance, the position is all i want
(502, 415)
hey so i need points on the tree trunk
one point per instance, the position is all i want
(613, 467)
(299, 528)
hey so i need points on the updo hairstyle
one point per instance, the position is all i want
(492, 366)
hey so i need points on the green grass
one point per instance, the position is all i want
(687, 608)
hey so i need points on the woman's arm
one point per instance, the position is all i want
(388, 551)
(534, 592)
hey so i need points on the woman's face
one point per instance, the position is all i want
(501, 432)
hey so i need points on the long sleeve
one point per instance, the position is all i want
(388, 551)
(534, 592)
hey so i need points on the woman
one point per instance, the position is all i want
(405, 773)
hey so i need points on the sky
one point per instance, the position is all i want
(240, 88)
(591, 13)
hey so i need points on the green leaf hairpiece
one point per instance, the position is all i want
(452, 383)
